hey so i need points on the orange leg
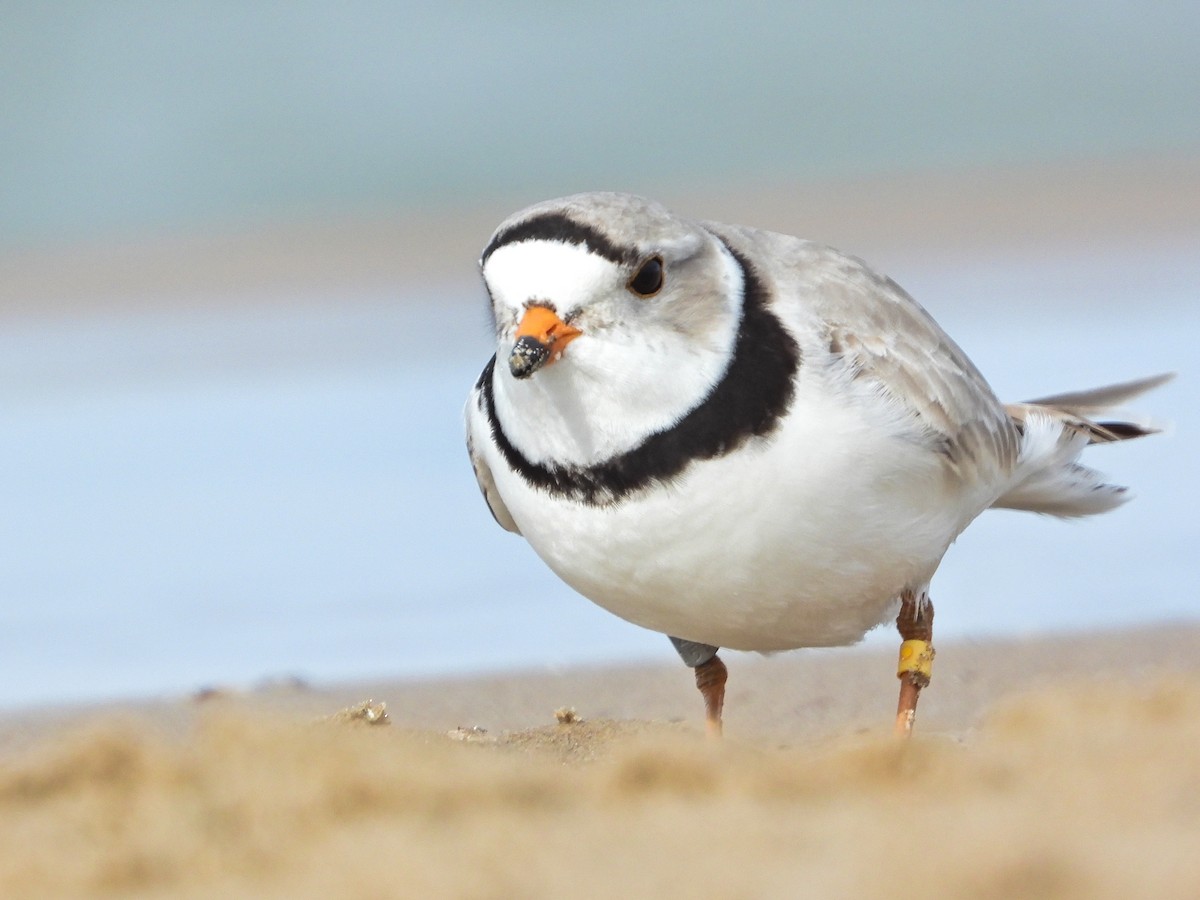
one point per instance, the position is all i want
(915, 624)
(710, 678)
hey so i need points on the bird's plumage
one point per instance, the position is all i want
(765, 453)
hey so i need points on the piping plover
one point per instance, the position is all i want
(743, 439)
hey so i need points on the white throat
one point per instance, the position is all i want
(634, 371)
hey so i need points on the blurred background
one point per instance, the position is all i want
(239, 309)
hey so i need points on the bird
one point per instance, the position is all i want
(747, 440)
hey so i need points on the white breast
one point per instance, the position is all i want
(800, 539)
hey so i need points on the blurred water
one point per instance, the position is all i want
(138, 116)
(270, 490)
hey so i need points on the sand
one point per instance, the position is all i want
(1065, 766)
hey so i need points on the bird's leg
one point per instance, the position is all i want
(915, 624)
(710, 678)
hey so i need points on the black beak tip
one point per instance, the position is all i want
(528, 355)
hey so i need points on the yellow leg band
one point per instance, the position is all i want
(916, 657)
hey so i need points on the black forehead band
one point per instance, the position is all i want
(556, 226)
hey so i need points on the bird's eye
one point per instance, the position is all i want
(648, 280)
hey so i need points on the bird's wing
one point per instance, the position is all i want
(477, 431)
(892, 341)
(888, 339)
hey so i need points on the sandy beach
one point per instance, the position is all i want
(1060, 766)
(260, 637)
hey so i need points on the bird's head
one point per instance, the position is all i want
(607, 280)
(614, 317)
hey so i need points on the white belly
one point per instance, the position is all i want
(802, 540)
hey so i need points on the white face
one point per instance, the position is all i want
(638, 366)
(566, 276)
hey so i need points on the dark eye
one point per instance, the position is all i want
(648, 280)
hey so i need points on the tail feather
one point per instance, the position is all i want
(1048, 477)
(1102, 399)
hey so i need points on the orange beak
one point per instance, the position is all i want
(541, 339)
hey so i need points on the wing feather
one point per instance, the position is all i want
(888, 339)
(477, 431)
